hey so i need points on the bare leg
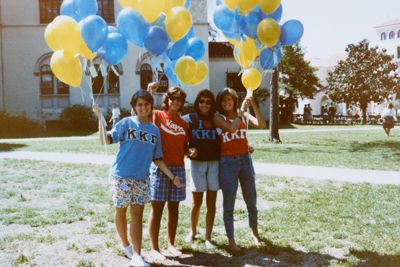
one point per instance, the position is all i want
(195, 211)
(172, 224)
(121, 225)
(211, 199)
(136, 227)
(157, 208)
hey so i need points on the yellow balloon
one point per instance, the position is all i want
(151, 9)
(201, 74)
(169, 4)
(66, 68)
(231, 4)
(49, 37)
(251, 79)
(185, 69)
(64, 33)
(269, 6)
(129, 4)
(243, 61)
(247, 4)
(269, 32)
(248, 49)
(178, 23)
(85, 51)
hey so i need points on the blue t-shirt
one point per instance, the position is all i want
(140, 144)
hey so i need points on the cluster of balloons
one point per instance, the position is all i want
(252, 26)
(162, 27)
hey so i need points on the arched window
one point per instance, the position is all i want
(383, 36)
(146, 76)
(54, 94)
(398, 34)
(391, 35)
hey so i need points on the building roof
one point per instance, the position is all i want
(220, 50)
(389, 23)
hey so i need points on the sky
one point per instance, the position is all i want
(332, 24)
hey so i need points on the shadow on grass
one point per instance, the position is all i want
(368, 258)
(376, 145)
(9, 146)
(267, 255)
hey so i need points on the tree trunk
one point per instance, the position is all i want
(364, 115)
(274, 109)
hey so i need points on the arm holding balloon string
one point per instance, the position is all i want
(232, 127)
(104, 138)
(257, 121)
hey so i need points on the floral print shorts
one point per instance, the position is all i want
(126, 191)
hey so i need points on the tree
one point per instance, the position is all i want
(298, 78)
(368, 74)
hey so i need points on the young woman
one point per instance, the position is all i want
(389, 118)
(236, 166)
(203, 137)
(173, 131)
(140, 144)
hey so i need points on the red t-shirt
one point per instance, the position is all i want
(173, 131)
(233, 144)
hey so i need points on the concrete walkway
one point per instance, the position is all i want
(285, 170)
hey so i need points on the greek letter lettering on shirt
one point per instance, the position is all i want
(239, 134)
(142, 136)
(176, 129)
(203, 134)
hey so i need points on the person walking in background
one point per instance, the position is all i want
(139, 146)
(115, 114)
(324, 112)
(204, 138)
(331, 114)
(389, 118)
(236, 165)
(305, 114)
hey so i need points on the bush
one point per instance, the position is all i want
(16, 124)
(78, 117)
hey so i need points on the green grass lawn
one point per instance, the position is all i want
(369, 149)
(62, 214)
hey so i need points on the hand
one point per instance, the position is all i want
(152, 87)
(192, 153)
(251, 149)
(245, 104)
(177, 182)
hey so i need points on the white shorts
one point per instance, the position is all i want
(204, 176)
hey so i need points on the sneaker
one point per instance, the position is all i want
(209, 245)
(157, 256)
(174, 251)
(128, 251)
(189, 238)
(138, 261)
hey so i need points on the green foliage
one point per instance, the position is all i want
(85, 263)
(78, 117)
(15, 124)
(297, 75)
(368, 74)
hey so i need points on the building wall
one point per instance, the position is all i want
(2, 100)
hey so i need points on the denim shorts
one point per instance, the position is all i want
(126, 192)
(204, 176)
(162, 188)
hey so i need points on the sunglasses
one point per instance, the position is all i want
(175, 98)
(207, 102)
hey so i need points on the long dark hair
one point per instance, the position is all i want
(222, 94)
(171, 91)
(205, 93)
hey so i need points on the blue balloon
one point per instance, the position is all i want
(196, 48)
(160, 22)
(114, 49)
(169, 69)
(86, 8)
(277, 15)
(67, 9)
(291, 32)
(112, 29)
(132, 26)
(249, 24)
(224, 19)
(191, 33)
(270, 58)
(157, 41)
(94, 31)
(178, 49)
(187, 4)
(218, 2)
